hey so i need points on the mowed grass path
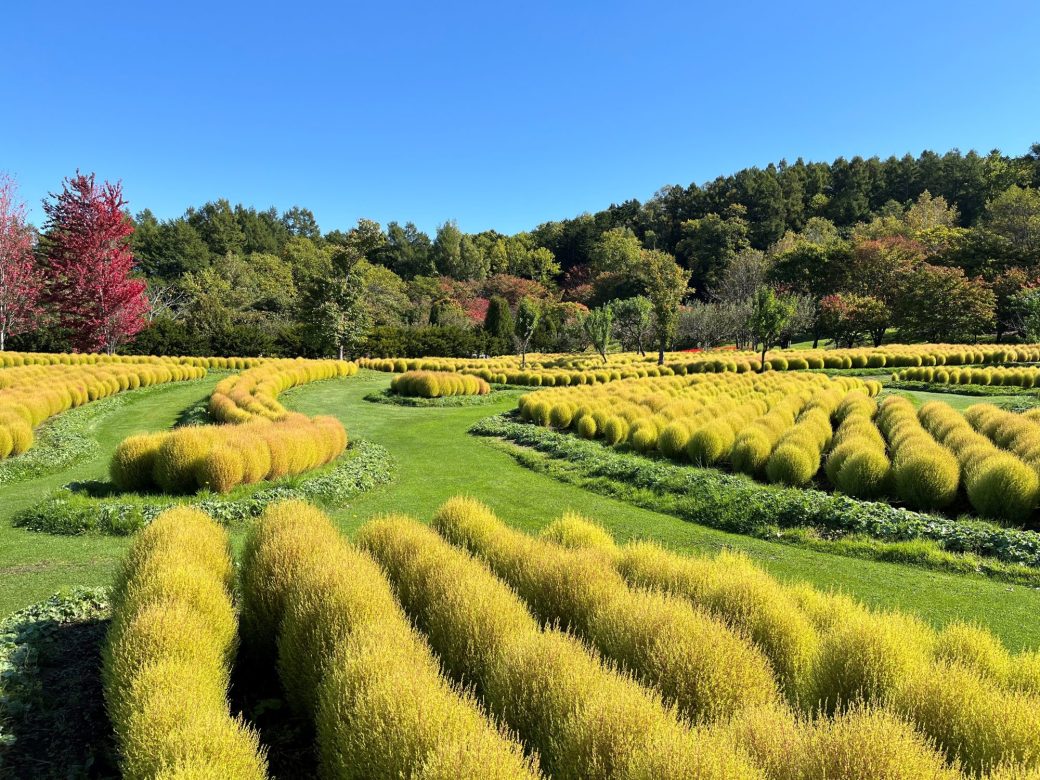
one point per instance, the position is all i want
(436, 459)
(32, 565)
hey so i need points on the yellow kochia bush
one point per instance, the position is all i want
(351, 663)
(748, 421)
(582, 718)
(19, 359)
(998, 484)
(31, 394)
(693, 658)
(168, 655)
(1026, 376)
(834, 652)
(262, 440)
(435, 384)
(926, 474)
(562, 370)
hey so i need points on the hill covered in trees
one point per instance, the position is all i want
(940, 247)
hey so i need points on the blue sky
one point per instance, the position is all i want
(499, 115)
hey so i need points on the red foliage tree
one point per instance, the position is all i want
(89, 262)
(20, 277)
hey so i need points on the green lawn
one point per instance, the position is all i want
(33, 566)
(921, 397)
(437, 459)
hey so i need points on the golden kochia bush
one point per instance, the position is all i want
(168, 654)
(774, 426)
(221, 457)
(998, 483)
(254, 393)
(436, 384)
(781, 427)
(582, 718)
(562, 370)
(959, 688)
(694, 659)
(738, 592)
(350, 661)
(858, 463)
(861, 743)
(1026, 376)
(32, 394)
(22, 359)
(262, 441)
(978, 722)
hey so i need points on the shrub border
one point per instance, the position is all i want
(366, 466)
(65, 441)
(973, 390)
(738, 504)
(393, 399)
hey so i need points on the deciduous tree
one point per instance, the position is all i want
(527, 314)
(665, 284)
(598, 324)
(632, 320)
(770, 314)
(89, 265)
(847, 318)
(943, 305)
(20, 277)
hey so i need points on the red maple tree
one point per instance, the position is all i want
(89, 262)
(20, 277)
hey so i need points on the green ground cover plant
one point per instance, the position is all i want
(363, 467)
(740, 505)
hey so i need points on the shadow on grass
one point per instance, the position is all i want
(256, 694)
(52, 712)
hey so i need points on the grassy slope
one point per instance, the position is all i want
(438, 459)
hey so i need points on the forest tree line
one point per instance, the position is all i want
(934, 247)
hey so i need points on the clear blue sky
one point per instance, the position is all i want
(500, 115)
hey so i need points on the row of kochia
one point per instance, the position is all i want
(579, 658)
(794, 428)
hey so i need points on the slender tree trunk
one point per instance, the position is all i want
(3, 338)
(341, 351)
(762, 368)
(660, 351)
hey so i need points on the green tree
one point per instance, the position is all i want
(219, 228)
(407, 251)
(938, 304)
(710, 243)
(665, 284)
(1014, 216)
(300, 222)
(337, 313)
(1027, 308)
(770, 314)
(447, 250)
(527, 314)
(473, 263)
(385, 294)
(633, 318)
(616, 251)
(599, 324)
(498, 322)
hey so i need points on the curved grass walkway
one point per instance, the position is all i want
(436, 459)
(33, 566)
